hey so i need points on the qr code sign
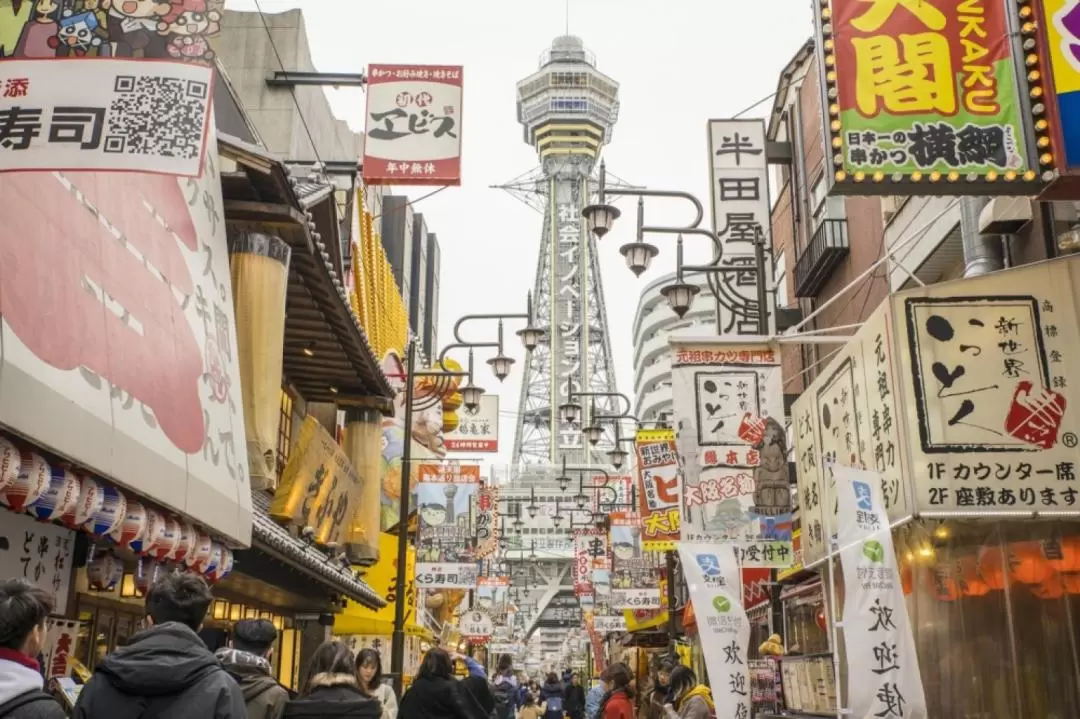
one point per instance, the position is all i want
(153, 115)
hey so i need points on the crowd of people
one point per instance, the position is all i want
(166, 671)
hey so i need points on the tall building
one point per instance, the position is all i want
(418, 282)
(397, 238)
(431, 312)
(567, 110)
(654, 322)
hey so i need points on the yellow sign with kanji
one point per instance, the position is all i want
(660, 495)
(923, 89)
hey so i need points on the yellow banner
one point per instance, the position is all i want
(319, 487)
(659, 489)
(382, 578)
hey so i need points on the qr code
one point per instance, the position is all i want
(152, 115)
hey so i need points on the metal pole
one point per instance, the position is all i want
(397, 641)
(669, 561)
(762, 284)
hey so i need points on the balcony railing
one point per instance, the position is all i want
(828, 248)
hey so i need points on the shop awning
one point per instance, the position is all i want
(327, 355)
(268, 536)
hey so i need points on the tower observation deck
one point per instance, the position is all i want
(567, 110)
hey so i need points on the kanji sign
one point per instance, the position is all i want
(477, 431)
(39, 553)
(111, 115)
(414, 127)
(660, 489)
(923, 90)
(476, 626)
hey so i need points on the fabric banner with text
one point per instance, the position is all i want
(882, 667)
(660, 484)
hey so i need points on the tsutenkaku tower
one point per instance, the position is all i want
(567, 109)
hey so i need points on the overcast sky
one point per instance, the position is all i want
(679, 63)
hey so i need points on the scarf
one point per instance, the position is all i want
(698, 691)
(238, 657)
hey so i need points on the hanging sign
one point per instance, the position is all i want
(61, 645)
(589, 545)
(660, 485)
(446, 496)
(39, 553)
(882, 667)
(609, 624)
(712, 576)
(637, 598)
(729, 400)
(477, 430)
(487, 521)
(476, 626)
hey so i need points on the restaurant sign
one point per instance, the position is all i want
(923, 92)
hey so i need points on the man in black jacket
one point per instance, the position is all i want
(23, 609)
(574, 698)
(248, 662)
(165, 672)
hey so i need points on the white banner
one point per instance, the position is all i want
(641, 598)
(476, 626)
(113, 115)
(453, 575)
(882, 667)
(478, 430)
(712, 575)
(37, 552)
(607, 625)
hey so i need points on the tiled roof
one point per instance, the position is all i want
(269, 533)
(311, 191)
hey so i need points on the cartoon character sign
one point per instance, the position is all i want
(133, 27)
(188, 25)
(78, 34)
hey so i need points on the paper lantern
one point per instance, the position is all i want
(33, 480)
(131, 528)
(10, 461)
(1071, 582)
(146, 543)
(992, 567)
(224, 566)
(1027, 564)
(450, 421)
(943, 584)
(185, 543)
(167, 539)
(209, 567)
(452, 402)
(146, 573)
(907, 578)
(91, 495)
(59, 498)
(971, 584)
(200, 552)
(104, 572)
(1050, 588)
(1063, 555)
(109, 515)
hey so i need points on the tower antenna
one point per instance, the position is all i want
(567, 17)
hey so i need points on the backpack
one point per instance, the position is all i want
(504, 694)
(553, 704)
(31, 697)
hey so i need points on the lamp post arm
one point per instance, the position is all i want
(674, 194)
(468, 318)
(620, 395)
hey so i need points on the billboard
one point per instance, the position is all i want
(413, 134)
(1059, 31)
(446, 497)
(477, 431)
(924, 93)
(739, 176)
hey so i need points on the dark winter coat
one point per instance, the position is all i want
(547, 693)
(165, 672)
(21, 692)
(574, 700)
(430, 698)
(333, 695)
(265, 698)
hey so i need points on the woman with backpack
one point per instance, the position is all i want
(504, 689)
(551, 696)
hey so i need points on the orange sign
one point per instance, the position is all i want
(450, 473)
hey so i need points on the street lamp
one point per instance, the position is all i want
(679, 294)
(557, 518)
(532, 508)
(639, 254)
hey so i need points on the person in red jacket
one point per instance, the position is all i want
(618, 699)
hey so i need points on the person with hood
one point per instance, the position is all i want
(369, 671)
(551, 696)
(434, 693)
(687, 698)
(593, 699)
(23, 609)
(504, 689)
(248, 662)
(618, 699)
(331, 688)
(654, 707)
(165, 671)
(574, 698)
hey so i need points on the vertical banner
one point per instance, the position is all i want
(712, 576)
(882, 667)
(61, 645)
(660, 484)
(728, 399)
(487, 521)
(445, 497)
(413, 134)
(740, 209)
(590, 548)
(911, 100)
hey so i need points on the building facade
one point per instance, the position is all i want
(431, 311)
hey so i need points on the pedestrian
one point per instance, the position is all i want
(618, 699)
(574, 698)
(434, 693)
(369, 672)
(165, 671)
(248, 662)
(529, 710)
(504, 689)
(23, 609)
(593, 699)
(688, 699)
(658, 694)
(551, 697)
(331, 688)
(477, 698)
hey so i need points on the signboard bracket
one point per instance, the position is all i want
(296, 78)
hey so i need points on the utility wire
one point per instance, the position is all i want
(742, 112)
